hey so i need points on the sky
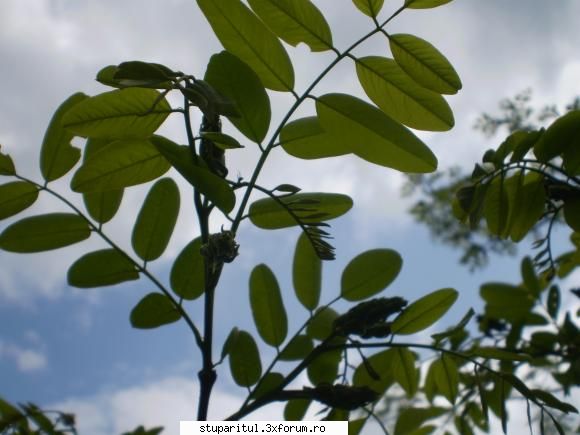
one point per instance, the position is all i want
(74, 349)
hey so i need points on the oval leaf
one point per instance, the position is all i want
(306, 139)
(295, 409)
(120, 164)
(188, 272)
(57, 155)
(101, 268)
(15, 197)
(369, 7)
(372, 135)
(215, 188)
(44, 232)
(156, 220)
(500, 354)
(424, 312)
(244, 359)
(154, 310)
(369, 273)
(390, 88)
(267, 306)
(237, 81)
(306, 273)
(424, 4)
(245, 36)
(118, 114)
(324, 368)
(6, 164)
(404, 371)
(221, 140)
(268, 214)
(424, 63)
(376, 371)
(446, 377)
(297, 349)
(320, 325)
(295, 21)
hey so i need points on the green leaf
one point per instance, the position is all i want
(156, 220)
(306, 139)
(244, 35)
(268, 214)
(499, 354)
(143, 74)
(15, 197)
(455, 329)
(504, 301)
(237, 81)
(44, 232)
(188, 272)
(530, 278)
(446, 376)
(553, 302)
(57, 155)
(496, 207)
(211, 102)
(269, 382)
(390, 88)
(376, 372)
(550, 400)
(154, 310)
(572, 213)
(297, 348)
(424, 312)
(355, 426)
(369, 7)
(324, 368)
(6, 164)
(306, 273)
(372, 135)
(411, 419)
(404, 371)
(424, 4)
(120, 164)
(101, 268)
(424, 63)
(244, 359)
(215, 188)
(295, 21)
(528, 206)
(120, 114)
(320, 325)
(369, 273)
(102, 206)
(267, 306)
(221, 140)
(559, 139)
(295, 409)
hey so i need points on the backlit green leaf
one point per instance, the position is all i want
(455, 329)
(102, 206)
(156, 220)
(297, 349)
(530, 278)
(372, 135)
(424, 4)
(268, 214)
(404, 371)
(560, 138)
(424, 63)
(390, 88)
(244, 359)
(550, 400)
(411, 419)
(119, 114)
(424, 312)
(527, 207)
(270, 382)
(572, 213)
(496, 207)
(44, 232)
(306, 273)
(57, 155)
(369, 273)
(6, 164)
(295, 409)
(321, 324)
(295, 21)
(101, 268)
(154, 310)
(221, 140)
(376, 372)
(446, 376)
(355, 426)
(500, 354)
(505, 301)
(305, 138)
(267, 306)
(120, 164)
(553, 302)
(237, 81)
(245, 36)
(369, 7)
(213, 187)
(324, 368)
(188, 272)
(15, 197)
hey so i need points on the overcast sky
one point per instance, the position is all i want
(75, 349)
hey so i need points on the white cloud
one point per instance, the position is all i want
(26, 359)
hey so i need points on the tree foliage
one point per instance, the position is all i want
(469, 376)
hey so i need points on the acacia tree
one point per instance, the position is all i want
(122, 150)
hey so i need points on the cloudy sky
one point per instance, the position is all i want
(74, 349)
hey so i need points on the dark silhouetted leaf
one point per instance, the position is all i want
(295, 409)
(188, 273)
(6, 164)
(297, 349)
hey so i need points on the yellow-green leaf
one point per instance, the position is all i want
(528, 206)
(424, 4)
(321, 324)
(57, 155)
(424, 63)
(369, 7)
(376, 372)
(119, 114)
(245, 36)
(404, 371)
(244, 358)
(297, 349)
(372, 135)
(44, 232)
(156, 220)
(306, 273)
(15, 197)
(267, 306)
(400, 97)
(295, 21)
(101, 268)
(221, 140)
(446, 376)
(154, 310)
(188, 272)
